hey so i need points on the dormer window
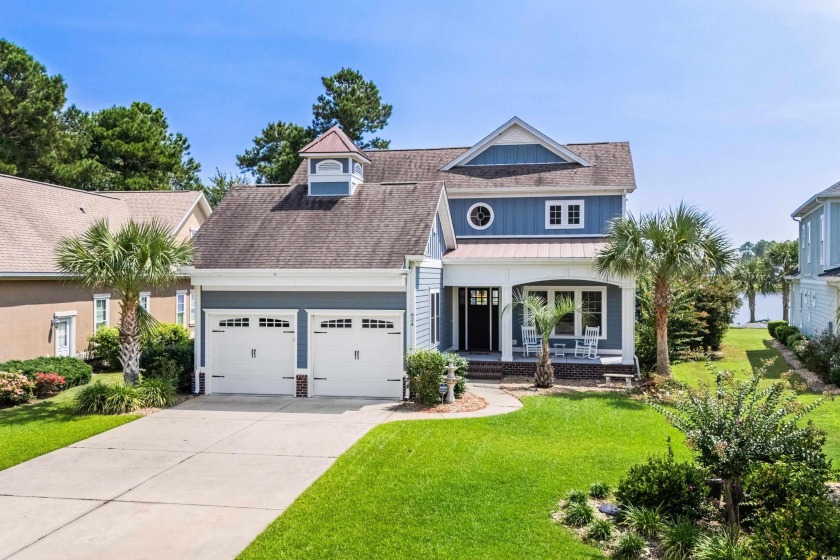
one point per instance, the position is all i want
(328, 167)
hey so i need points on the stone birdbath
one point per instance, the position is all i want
(451, 381)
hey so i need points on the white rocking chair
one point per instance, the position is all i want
(588, 347)
(530, 341)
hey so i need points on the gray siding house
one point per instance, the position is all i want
(814, 290)
(321, 286)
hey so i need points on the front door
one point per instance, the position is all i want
(479, 317)
(62, 337)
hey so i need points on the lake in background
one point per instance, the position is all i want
(767, 308)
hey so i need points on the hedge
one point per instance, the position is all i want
(74, 370)
(773, 325)
(182, 354)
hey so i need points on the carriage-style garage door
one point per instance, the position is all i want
(252, 353)
(357, 355)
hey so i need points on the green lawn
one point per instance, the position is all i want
(485, 487)
(31, 430)
(747, 349)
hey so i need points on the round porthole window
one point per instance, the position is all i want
(480, 216)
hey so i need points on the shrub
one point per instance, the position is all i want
(15, 388)
(784, 331)
(576, 497)
(165, 334)
(720, 545)
(48, 384)
(679, 539)
(182, 354)
(425, 371)
(578, 515)
(628, 547)
(677, 489)
(463, 365)
(716, 298)
(73, 370)
(600, 490)
(600, 530)
(98, 398)
(793, 339)
(157, 392)
(104, 345)
(773, 325)
(643, 520)
(823, 356)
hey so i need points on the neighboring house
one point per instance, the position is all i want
(321, 286)
(42, 312)
(815, 290)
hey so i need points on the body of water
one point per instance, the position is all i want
(767, 308)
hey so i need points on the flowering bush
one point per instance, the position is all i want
(48, 384)
(15, 388)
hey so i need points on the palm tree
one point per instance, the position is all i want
(544, 317)
(667, 246)
(784, 258)
(754, 276)
(137, 256)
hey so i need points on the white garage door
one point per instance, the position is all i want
(252, 353)
(357, 355)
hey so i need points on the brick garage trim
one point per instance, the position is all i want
(561, 371)
(201, 388)
(302, 385)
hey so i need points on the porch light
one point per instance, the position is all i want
(55, 321)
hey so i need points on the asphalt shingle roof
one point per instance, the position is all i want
(280, 226)
(35, 215)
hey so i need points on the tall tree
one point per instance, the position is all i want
(274, 157)
(784, 258)
(754, 276)
(355, 105)
(137, 256)
(131, 148)
(220, 184)
(677, 244)
(30, 114)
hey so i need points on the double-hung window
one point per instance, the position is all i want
(808, 249)
(101, 311)
(181, 308)
(590, 302)
(564, 214)
(434, 317)
(145, 301)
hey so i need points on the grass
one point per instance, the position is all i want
(484, 488)
(30, 430)
(476, 488)
(745, 350)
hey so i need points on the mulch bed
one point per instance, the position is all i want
(182, 398)
(523, 386)
(468, 402)
(811, 379)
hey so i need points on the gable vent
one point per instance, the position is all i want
(329, 167)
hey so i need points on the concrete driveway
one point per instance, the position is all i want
(200, 480)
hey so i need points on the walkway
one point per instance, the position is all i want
(197, 481)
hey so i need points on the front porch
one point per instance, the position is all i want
(490, 365)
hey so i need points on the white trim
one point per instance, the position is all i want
(64, 314)
(446, 224)
(579, 330)
(199, 326)
(192, 314)
(68, 317)
(148, 296)
(361, 158)
(434, 340)
(546, 236)
(822, 238)
(107, 299)
(200, 201)
(185, 322)
(547, 142)
(564, 214)
(331, 164)
(554, 190)
(473, 207)
(208, 337)
(336, 279)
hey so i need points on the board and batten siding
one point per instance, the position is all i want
(300, 301)
(812, 267)
(813, 306)
(834, 235)
(613, 322)
(426, 280)
(436, 245)
(526, 215)
(512, 154)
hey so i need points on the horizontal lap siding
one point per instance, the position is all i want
(813, 320)
(300, 301)
(613, 340)
(526, 215)
(427, 278)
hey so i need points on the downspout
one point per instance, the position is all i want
(198, 329)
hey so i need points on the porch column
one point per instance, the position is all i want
(628, 321)
(506, 330)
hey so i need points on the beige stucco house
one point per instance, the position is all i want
(41, 312)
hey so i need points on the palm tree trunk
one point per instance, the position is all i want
(661, 307)
(130, 342)
(544, 377)
(751, 303)
(785, 299)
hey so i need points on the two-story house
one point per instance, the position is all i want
(321, 286)
(815, 290)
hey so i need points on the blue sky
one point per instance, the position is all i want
(730, 105)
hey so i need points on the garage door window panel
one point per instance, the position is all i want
(279, 323)
(238, 322)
